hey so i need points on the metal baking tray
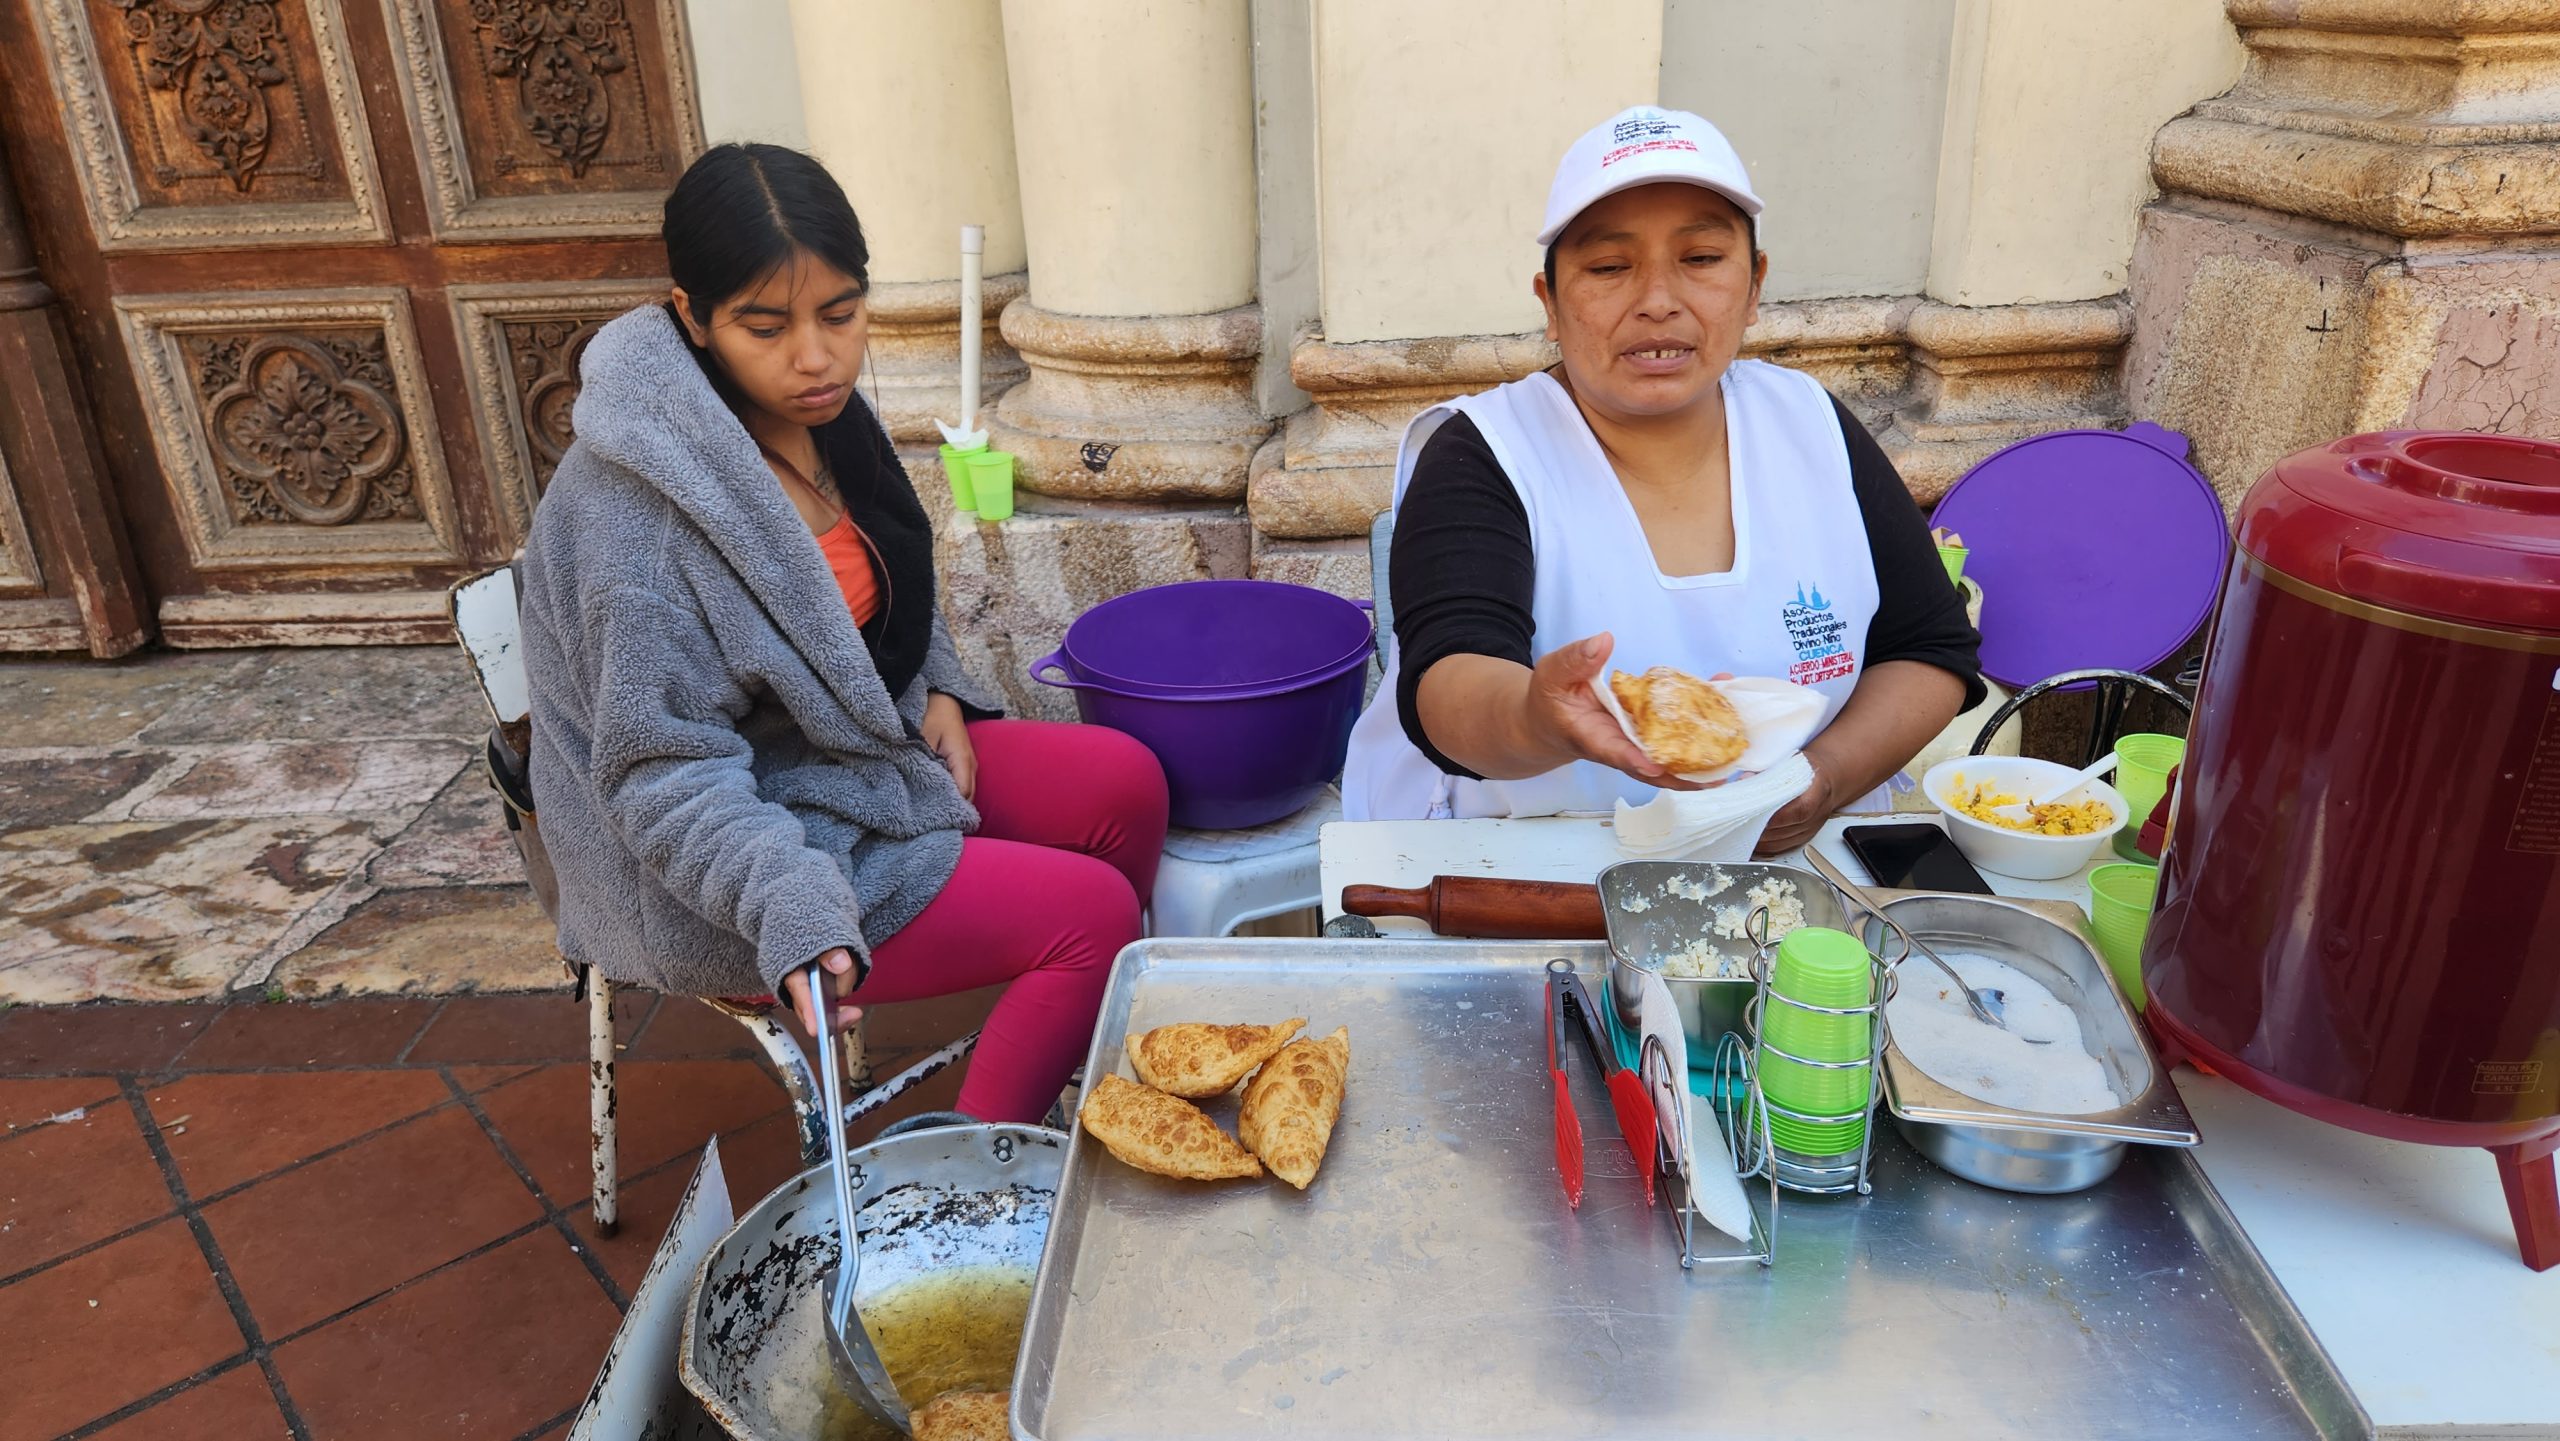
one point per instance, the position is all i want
(1432, 1281)
(2049, 940)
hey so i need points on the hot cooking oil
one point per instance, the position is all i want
(954, 1330)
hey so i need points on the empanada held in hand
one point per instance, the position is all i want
(1157, 1133)
(1683, 723)
(1291, 1104)
(1196, 1059)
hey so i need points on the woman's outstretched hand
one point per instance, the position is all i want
(795, 989)
(1563, 713)
(946, 730)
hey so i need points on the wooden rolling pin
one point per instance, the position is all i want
(1488, 908)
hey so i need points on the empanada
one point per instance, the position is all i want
(1195, 1059)
(1683, 723)
(965, 1416)
(1291, 1104)
(1155, 1132)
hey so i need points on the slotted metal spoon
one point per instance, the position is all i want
(857, 1362)
(1988, 1004)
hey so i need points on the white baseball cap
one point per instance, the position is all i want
(1639, 146)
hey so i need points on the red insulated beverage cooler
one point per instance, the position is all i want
(2360, 905)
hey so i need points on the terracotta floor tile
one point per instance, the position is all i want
(545, 1027)
(65, 1185)
(931, 1022)
(667, 1108)
(362, 1032)
(314, 1241)
(485, 1078)
(482, 1352)
(57, 792)
(759, 1158)
(239, 1127)
(101, 1331)
(646, 1208)
(685, 1029)
(236, 1404)
(438, 940)
(29, 1103)
(159, 910)
(36, 1039)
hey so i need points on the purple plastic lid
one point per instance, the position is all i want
(2093, 548)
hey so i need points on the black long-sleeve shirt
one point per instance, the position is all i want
(1463, 570)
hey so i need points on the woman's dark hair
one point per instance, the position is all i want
(741, 210)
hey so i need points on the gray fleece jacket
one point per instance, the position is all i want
(725, 786)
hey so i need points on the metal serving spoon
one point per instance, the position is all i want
(1987, 1003)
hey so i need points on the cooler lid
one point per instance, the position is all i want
(2448, 524)
(2094, 548)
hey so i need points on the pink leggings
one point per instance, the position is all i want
(1071, 826)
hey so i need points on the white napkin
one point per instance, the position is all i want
(1778, 717)
(1720, 824)
(961, 439)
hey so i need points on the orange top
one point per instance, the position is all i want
(848, 553)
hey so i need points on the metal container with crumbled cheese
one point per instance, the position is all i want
(1688, 922)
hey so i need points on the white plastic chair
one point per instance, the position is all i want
(483, 609)
(1212, 882)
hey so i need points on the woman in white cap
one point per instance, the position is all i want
(1652, 500)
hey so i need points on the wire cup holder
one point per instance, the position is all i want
(1736, 1071)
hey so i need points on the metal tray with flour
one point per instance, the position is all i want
(1658, 910)
(1432, 1282)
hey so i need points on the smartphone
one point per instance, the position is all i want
(1914, 857)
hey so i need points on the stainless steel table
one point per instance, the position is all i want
(1433, 1282)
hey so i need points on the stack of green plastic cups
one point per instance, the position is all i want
(1812, 1060)
(2143, 763)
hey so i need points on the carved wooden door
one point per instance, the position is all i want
(329, 265)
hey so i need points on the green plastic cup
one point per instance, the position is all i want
(955, 469)
(1839, 1094)
(1953, 558)
(2120, 898)
(1814, 1140)
(1818, 967)
(991, 481)
(2143, 762)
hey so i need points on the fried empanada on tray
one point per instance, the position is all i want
(1161, 1134)
(1292, 1102)
(1196, 1060)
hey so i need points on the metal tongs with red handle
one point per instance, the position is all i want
(1567, 1003)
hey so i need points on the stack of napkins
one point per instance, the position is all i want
(1720, 824)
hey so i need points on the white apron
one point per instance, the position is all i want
(1795, 605)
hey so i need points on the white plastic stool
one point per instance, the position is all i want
(1211, 882)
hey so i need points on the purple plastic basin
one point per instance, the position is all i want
(1245, 690)
(1211, 635)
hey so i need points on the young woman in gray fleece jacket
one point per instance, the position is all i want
(753, 744)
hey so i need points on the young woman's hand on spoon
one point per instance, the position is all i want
(795, 990)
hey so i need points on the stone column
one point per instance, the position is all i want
(907, 104)
(1430, 182)
(2359, 235)
(1134, 128)
(2041, 170)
